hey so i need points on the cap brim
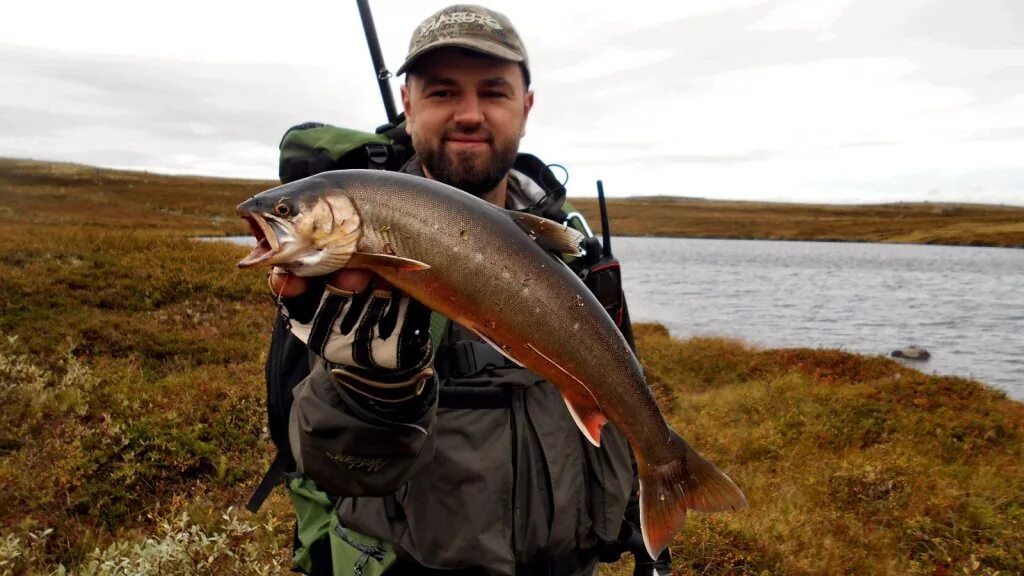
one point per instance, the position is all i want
(476, 45)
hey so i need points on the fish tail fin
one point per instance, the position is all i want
(687, 481)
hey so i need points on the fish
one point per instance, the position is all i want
(492, 270)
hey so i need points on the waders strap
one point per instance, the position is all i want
(474, 398)
(272, 477)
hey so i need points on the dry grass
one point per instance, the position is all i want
(131, 394)
(56, 193)
(852, 464)
(915, 223)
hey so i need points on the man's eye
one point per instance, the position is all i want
(494, 94)
(443, 94)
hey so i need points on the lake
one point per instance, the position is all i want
(965, 305)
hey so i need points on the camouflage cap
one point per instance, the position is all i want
(467, 26)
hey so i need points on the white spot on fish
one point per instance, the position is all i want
(479, 257)
(455, 249)
(576, 326)
(505, 274)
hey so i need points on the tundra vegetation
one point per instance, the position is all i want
(132, 425)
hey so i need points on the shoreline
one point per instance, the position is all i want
(818, 240)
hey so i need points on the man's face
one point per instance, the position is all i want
(466, 115)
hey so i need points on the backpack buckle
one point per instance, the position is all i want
(378, 155)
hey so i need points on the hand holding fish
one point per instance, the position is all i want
(375, 338)
(285, 285)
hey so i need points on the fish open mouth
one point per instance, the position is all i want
(267, 244)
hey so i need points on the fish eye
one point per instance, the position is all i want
(282, 209)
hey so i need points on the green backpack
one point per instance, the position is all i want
(313, 147)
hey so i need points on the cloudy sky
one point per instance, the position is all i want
(794, 100)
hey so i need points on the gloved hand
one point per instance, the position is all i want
(375, 339)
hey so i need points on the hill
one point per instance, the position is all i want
(55, 192)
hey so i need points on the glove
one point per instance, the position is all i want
(376, 341)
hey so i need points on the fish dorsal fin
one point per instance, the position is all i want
(548, 233)
(377, 261)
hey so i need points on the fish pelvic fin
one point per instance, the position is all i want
(549, 234)
(586, 413)
(687, 482)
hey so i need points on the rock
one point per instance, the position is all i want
(911, 353)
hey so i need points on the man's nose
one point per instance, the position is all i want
(469, 112)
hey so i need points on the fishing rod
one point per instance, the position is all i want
(379, 68)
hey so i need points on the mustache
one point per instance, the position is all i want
(480, 135)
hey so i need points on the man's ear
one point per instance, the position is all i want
(406, 107)
(527, 106)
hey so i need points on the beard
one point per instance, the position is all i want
(474, 171)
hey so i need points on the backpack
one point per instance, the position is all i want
(321, 544)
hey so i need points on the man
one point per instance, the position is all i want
(456, 459)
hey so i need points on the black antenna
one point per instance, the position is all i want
(606, 234)
(383, 76)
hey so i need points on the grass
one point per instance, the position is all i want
(132, 423)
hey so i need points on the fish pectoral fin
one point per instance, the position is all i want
(375, 261)
(497, 347)
(582, 405)
(548, 233)
(586, 413)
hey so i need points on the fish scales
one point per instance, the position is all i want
(448, 235)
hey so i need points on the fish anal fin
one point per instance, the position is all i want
(668, 490)
(385, 261)
(586, 413)
(548, 233)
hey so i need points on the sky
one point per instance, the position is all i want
(825, 101)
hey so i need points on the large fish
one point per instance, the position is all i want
(489, 270)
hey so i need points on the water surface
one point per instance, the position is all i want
(963, 304)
